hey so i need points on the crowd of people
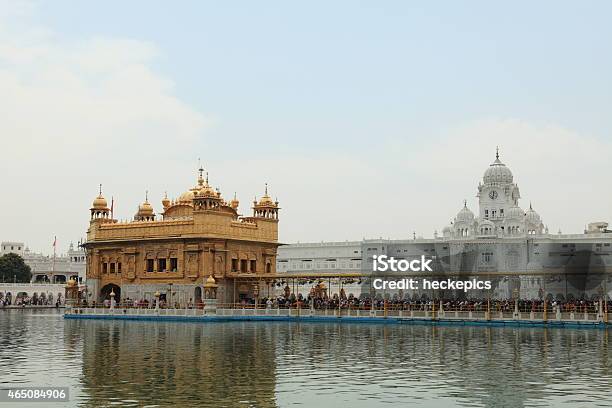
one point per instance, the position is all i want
(365, 302)
(34, 300)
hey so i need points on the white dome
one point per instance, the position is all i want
(533, 217)
(515, 213)
(497, 172)
(465, 215)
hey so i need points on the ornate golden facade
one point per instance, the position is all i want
(198, 236)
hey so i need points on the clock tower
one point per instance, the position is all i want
(497, 193)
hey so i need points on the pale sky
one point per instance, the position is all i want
(367, 119)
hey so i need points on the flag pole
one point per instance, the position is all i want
(53, 263)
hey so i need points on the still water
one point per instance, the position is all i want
(114, 363)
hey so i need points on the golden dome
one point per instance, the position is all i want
(266, 200)
(99, 203)
(166, 201)
(201, 189)
(71, 283)
(210, 282)
(187, 196)
(145, 208)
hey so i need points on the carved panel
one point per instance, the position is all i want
(191, 264)
(131, 266)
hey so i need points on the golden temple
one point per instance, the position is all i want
(198, 236)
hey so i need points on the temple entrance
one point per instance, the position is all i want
(107, 289)
(197, 295)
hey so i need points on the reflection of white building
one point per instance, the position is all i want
(47, 268)
(502, 241)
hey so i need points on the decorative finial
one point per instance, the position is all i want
(464, 203)
(234, 195)
(165, 194)
(206, 178)
(200, 170)
(100, 189)
(266, 188)
(497, 152)
(146, 196)
(530, 206)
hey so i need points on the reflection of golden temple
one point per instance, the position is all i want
(199, 235)
(180, 365)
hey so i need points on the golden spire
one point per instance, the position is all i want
(234, 203)
(266, 200)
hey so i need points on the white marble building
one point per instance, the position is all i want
(503, 241)
(47, 268)
(499, 213)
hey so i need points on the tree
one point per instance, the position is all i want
(12, 267)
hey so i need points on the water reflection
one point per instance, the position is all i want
(179, 364)
(282, 364)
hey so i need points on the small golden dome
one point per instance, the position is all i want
(166, 201)
(100, 203)
(145, 209)
(71, 283)
(210, 282)
(266, 200)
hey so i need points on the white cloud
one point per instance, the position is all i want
(71, 113)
